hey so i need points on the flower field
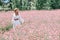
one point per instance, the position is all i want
(39, 25)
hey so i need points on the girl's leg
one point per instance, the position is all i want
(14, 28)
(15, 32)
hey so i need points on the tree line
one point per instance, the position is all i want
(33, 4)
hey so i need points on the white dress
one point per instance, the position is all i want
(17, 22)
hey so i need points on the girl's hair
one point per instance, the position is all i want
(16, 9)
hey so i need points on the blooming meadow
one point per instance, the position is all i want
(39, 25)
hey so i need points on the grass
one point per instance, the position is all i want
(7, 28)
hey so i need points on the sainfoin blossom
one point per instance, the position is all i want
(39, 25)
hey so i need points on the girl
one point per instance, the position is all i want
(16, 18)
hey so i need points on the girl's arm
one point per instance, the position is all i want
(21, 20)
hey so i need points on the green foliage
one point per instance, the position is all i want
(55, 4)
(0, 2)
(37, 4)
(7, 28)
(40, 4)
